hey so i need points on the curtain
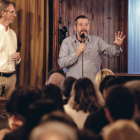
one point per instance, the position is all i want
(32, 28)
(134, 37)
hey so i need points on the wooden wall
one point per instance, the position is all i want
(106, 17)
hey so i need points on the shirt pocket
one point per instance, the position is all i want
(91, 54)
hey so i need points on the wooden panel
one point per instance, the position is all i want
(106, 17)
(55, 32)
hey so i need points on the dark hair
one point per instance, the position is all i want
(96, 121)
(134, 85)
(85, 97)
(21, 98)
(59, 116)
(4, 5)
(81, 16)
(120, 102)
(53, 92)
(104, 81)
(37, 109)
(86, 134)
(114, 81)
(56, 70)
(67, 86)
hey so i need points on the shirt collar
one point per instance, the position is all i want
(75, 39)
(2, 28)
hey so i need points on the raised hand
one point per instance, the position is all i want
(119, 39)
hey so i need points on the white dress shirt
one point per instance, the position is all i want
(8, 46)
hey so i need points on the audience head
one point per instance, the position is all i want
(37, 109)
(120, 104)
(101, 75)
(135, 87)
(53, 92)
(56, 77)
(86, 134)
(57, 126)
(18, 104)
(112, 82)
(55, 70)
(59, 116)
(104, 81)
(85, 96)
(66, 86)
(121, 130)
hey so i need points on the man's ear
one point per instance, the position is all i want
(108, 115)
(2, 13)
(75, 27)
(46, 83)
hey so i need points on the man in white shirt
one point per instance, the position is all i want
(8, 47)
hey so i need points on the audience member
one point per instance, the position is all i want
(96, 121)
(101, 75)
(18, 104)
(56, 77)
(53, 92)
(88, 135)
(121, 130)
(57, 126)
(58, 116)
(84, 99)
(134, 85)
(112, 82)
(35, 111)
(66, 87)
(104, 81)
(120, 104)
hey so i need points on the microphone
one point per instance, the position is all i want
(18, 46)
(82, 37)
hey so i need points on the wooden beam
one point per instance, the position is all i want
(55, 33)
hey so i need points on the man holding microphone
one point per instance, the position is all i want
(8, 47)
(84, 59)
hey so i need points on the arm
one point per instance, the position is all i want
(112, 50)
(67, 55)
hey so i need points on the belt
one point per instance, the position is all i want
(7, 74)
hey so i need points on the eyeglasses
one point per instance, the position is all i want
(80, 24)
(12, 12)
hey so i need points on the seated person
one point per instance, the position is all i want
(85, 98)
(66, 87)
(101, 75)
(17, 106)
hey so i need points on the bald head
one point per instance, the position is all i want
(56, 79)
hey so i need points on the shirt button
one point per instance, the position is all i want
(85, 74)
(84, 66)
(84, 58)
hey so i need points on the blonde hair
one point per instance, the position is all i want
(101, 75)
(4, 5)
(122, 130)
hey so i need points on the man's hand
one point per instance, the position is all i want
(119, 39)
(16, 56)
(80, 49)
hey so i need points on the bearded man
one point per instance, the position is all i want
(82, 57)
